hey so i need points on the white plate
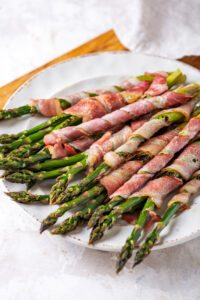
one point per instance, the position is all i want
(88, 72)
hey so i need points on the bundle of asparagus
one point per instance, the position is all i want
(81, 111)
(160, 120)
(156, 190)
(119, 161)
(147, 172)
(145, 153)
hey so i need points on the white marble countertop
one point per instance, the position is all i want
(34, 266)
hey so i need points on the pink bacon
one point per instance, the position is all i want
(141, 107)
(186, 191)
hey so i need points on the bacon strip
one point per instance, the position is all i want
(158, 86)
(159, 188)
(188, 162)
(47, 107)
(189, 189)
(141, 107)
(117, 177)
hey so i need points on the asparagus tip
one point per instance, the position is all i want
(43, 227)
(120, 265)
(136, 263)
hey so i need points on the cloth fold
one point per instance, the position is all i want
(159, 27)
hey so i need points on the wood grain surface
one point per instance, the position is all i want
(105, 42)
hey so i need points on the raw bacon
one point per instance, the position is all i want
(87, 109)
(188, 161)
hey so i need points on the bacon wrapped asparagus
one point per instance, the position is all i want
(141, 107)
(148, 171)
(84, 110)
(55, 106)
(31, 139)
(190, 153)
(89, 158)
(115, 158)
(177, 204)
(155, 192)
(116, 178)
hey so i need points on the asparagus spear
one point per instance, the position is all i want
(17, 112)
(27, 198)
(26, 109)
(176, 204)
(39, 134)
(86, 196)
(28, 176)
(6, 138)
(102, 210)
(60, 186)
(160, 120)
(38, 161)
(109, 220)
(22, 152)
(114, 141)
(127, 249)
(34, 142)
(174, 78)
(73, 99)
(80, 216)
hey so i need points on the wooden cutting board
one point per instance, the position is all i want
(105, 42)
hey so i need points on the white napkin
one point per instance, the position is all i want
(167, 28)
